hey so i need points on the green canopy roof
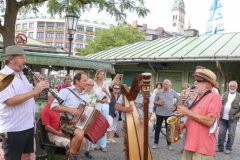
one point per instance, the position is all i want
(39, 53)
(222, 47)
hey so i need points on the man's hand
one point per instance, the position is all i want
(238, 114)
(40, 86)
(181, 111)
(61, 134)
(159, 102)
(74, 111)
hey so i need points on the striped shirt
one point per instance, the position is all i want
(70, 100)
(18, 117)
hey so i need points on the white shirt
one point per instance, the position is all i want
(228, 105)
(18, 117)
(70, 100)
(100, 95)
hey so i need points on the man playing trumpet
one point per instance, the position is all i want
(202, 118)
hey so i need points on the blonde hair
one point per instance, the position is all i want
(90, 81)
(68, 76)
(97, 73)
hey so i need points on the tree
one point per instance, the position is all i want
(116, 36)
(11, 8)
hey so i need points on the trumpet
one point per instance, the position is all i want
(60, 101)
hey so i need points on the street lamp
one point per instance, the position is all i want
(71, 23)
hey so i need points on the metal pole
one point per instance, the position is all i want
(70, 49)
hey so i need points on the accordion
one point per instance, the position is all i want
(92, 122)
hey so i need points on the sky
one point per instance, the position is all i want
(197, 13)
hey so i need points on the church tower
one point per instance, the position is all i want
(178, 17)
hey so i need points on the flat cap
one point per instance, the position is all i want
(14, 50)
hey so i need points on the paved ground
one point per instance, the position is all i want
(115, 150)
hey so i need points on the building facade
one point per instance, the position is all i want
(53, 32)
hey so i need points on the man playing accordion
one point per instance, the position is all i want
(73, 97)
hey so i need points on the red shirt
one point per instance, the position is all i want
(61, 86)
(50, 117)
(198, 138)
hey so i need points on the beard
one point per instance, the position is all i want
(232, 90)
(199, 91)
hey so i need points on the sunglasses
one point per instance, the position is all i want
(200, 80)
(91, 84)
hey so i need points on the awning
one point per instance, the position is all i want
(65, 61)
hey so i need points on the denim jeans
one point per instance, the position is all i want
(224, 126)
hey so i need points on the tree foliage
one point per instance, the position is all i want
(116, 8)
(116, 36)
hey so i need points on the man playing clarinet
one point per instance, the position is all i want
(17, 107)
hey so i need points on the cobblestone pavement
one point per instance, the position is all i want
(161, 153)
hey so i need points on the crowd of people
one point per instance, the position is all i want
(199, 107)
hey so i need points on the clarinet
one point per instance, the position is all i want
(60, 101)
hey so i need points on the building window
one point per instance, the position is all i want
(31, 25)
(59, 36)
(80, 28)
(59, 44)
(18, 26)
(79, 45)
(40, 25)
(67, 45)
(60, 26)
(50, 35)
(24, 26)
(89, 29)
(50, 43)
(50, 25)
(30, 34)
(80, 37)
(40, 35)
(89, 37)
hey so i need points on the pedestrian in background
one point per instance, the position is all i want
(229, 117)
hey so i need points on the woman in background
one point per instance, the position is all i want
(102, 102)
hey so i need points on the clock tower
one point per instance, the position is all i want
(178, 17)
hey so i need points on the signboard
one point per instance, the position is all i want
(21, 39)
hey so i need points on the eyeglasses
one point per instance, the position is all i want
(90, 84)
(200, 80)
(116, 88)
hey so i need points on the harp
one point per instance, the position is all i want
(137, 135)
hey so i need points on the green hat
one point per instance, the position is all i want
(14, 50)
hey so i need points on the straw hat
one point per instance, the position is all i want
(207, 75)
